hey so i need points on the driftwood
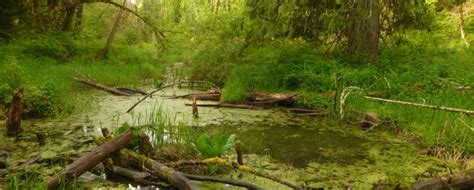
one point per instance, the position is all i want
(159, 89)
(13, 122)
(463, 180)
(90, 160)
(467, 112)
(101, 87)
(224, 105)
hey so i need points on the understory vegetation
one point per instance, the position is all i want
(335, 55)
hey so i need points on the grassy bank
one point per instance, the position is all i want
(43, 66)
(423, 66)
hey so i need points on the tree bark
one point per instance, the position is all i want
(364, 29)
(461, 26)
(79, 14)
(128, 157)
(105, 51)
(13, 122)
(37, 21)
(88, 161)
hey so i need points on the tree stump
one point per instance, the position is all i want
(13, 122)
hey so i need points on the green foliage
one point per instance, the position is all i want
(214, 146)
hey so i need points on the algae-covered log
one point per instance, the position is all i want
(128, 157)
(90, 160)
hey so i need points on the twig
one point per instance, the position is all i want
(467, 112)
(161, 88)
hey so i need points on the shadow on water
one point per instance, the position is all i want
(297, 145)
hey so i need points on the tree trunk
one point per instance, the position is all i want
(88, 161)
(14, 117)
(364, 29)
(79, 13)
(104, 51)
(37, 22)
(461, 26)
(67, 23)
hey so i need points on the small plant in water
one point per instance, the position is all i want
(214, 146)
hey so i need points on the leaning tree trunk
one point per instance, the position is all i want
(14, 116)
(364, 29)
(105, 51)
(461, 26)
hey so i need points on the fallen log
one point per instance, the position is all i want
(128, 157)
(277, 98)
(13, 122)
(225, 105)
(135, 176)
(222, 180)
(250, 170)
(467, 112)
(88, 161)
(199, 96)
(99, 86)
(462, 180)
(131, 91)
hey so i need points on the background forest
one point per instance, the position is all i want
(415, 51)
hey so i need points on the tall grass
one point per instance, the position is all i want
(43, 65)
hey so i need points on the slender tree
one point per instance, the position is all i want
(364, 27)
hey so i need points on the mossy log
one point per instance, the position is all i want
(13, 122)
(126, 157)
(88, 161)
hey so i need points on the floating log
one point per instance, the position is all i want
(131, 91)
(88, 161)
(13, 122)
(199, 96)
(224, 105)
(467, 112)
(462, 180)
(99, 86)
